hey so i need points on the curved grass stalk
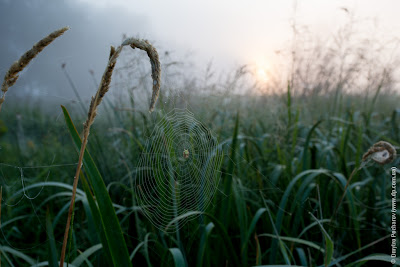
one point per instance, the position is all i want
(95, 102)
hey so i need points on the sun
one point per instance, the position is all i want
(262, 70)
(262, 74)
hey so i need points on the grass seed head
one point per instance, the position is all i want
(381, 152)
(155, 65)
(12, 74)
(104, 86)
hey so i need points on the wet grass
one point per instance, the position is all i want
(286, 163)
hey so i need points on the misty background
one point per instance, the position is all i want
(223, 35)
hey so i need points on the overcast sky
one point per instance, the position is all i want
(230, 32)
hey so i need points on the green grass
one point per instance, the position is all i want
(286, 162)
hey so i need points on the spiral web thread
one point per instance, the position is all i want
(178, 171)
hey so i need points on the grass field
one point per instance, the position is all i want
(281, 178)
(286, 161)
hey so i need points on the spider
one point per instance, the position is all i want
(185, 153)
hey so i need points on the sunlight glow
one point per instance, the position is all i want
(262, 72)
(262, 75)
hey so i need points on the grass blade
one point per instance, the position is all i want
(111, 226)
(328, 243)
(86, 254)
(219, 225)
(97, 220)
(228, 177)
(306, 145)
(16, 253)
(295, 240)
(375, 257)
(253, 223)
(203, 244)
(53, 262)
(178, 257)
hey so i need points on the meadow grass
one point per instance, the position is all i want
(288, 162)
(272, 177)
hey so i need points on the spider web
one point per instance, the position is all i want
(178, 170)
(36, 162)
(33, 171)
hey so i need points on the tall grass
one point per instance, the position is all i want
(267, 200)
(287, 163)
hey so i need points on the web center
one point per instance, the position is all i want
(186, 154)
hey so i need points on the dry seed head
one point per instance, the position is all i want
(381, 152)
(155, 65)
(106, 79)
(104, 86)
(12, 74)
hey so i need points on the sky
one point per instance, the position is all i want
(230, 33)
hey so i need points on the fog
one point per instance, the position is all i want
(228, 33)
